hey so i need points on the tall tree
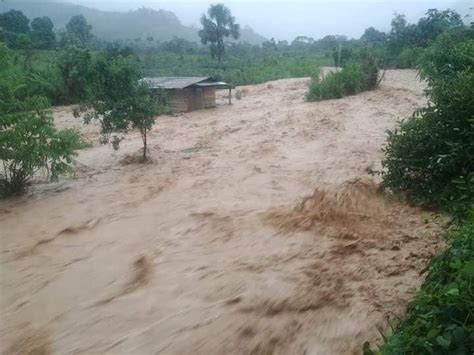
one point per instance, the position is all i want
(14, 21)
(42, 33)
(79, 29)
(373, 36)
(435, 23)
(216, 26)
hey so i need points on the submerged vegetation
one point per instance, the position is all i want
(352, 79)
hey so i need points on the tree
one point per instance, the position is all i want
(397, 36)
(216, 26)
(373, 36)
(79, 29)
(14, 21)
(435, 23)
(42, 33)
(341, 55)
(74, 65)
(119, 100)
(29, 140)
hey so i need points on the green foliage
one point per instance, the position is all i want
(141, 23)
(434, 148)
(341, 55)
(78, 28)
(218, 25)
(440, 320)
(410, 57)
(239, 68)
(14, 21)
(352, 79)
(42, 33)
(74, 63)
(435, 23)
(374, 37)
(118, 99)
(431, 157)
(28, 139)
(406, 41)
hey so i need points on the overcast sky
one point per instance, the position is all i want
(288, 19)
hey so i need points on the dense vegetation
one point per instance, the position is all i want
(118, 99)
(105, 82)
(353, 78)
(138, 26)
(430, 157)
(29, 141)
(57, 63)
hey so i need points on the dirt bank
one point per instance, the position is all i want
(214, 247)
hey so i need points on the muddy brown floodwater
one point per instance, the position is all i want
(256, 229)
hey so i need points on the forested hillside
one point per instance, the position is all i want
(141, 24)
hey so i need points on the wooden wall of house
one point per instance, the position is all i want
(209, 97)
(178, 100)
(195, 99)
(190, 99)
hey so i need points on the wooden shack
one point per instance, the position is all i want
(189, 93)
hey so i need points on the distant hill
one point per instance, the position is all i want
(160, 24)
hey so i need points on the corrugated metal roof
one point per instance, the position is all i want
(174, 82)
(217, 84)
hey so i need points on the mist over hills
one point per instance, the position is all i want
(142, 23)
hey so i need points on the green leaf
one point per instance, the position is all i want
(443, 342)
(432, 333)
(468, 269)
(453, 292)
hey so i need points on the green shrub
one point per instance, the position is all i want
(440, 320)
(28, 142)
(432, 150)
(431, 156)
(410, 57)
(354, 78)
(28, 139)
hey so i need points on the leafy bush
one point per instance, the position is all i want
(28, 139)
(410, 57)
(427, 153)
(431, 156)
(352, 79)
(440, 320)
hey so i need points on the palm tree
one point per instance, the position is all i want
(217, 25)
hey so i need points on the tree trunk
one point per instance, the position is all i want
(144, 145)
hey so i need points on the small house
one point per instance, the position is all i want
(189, 93)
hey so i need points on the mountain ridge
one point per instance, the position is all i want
(142, 23)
